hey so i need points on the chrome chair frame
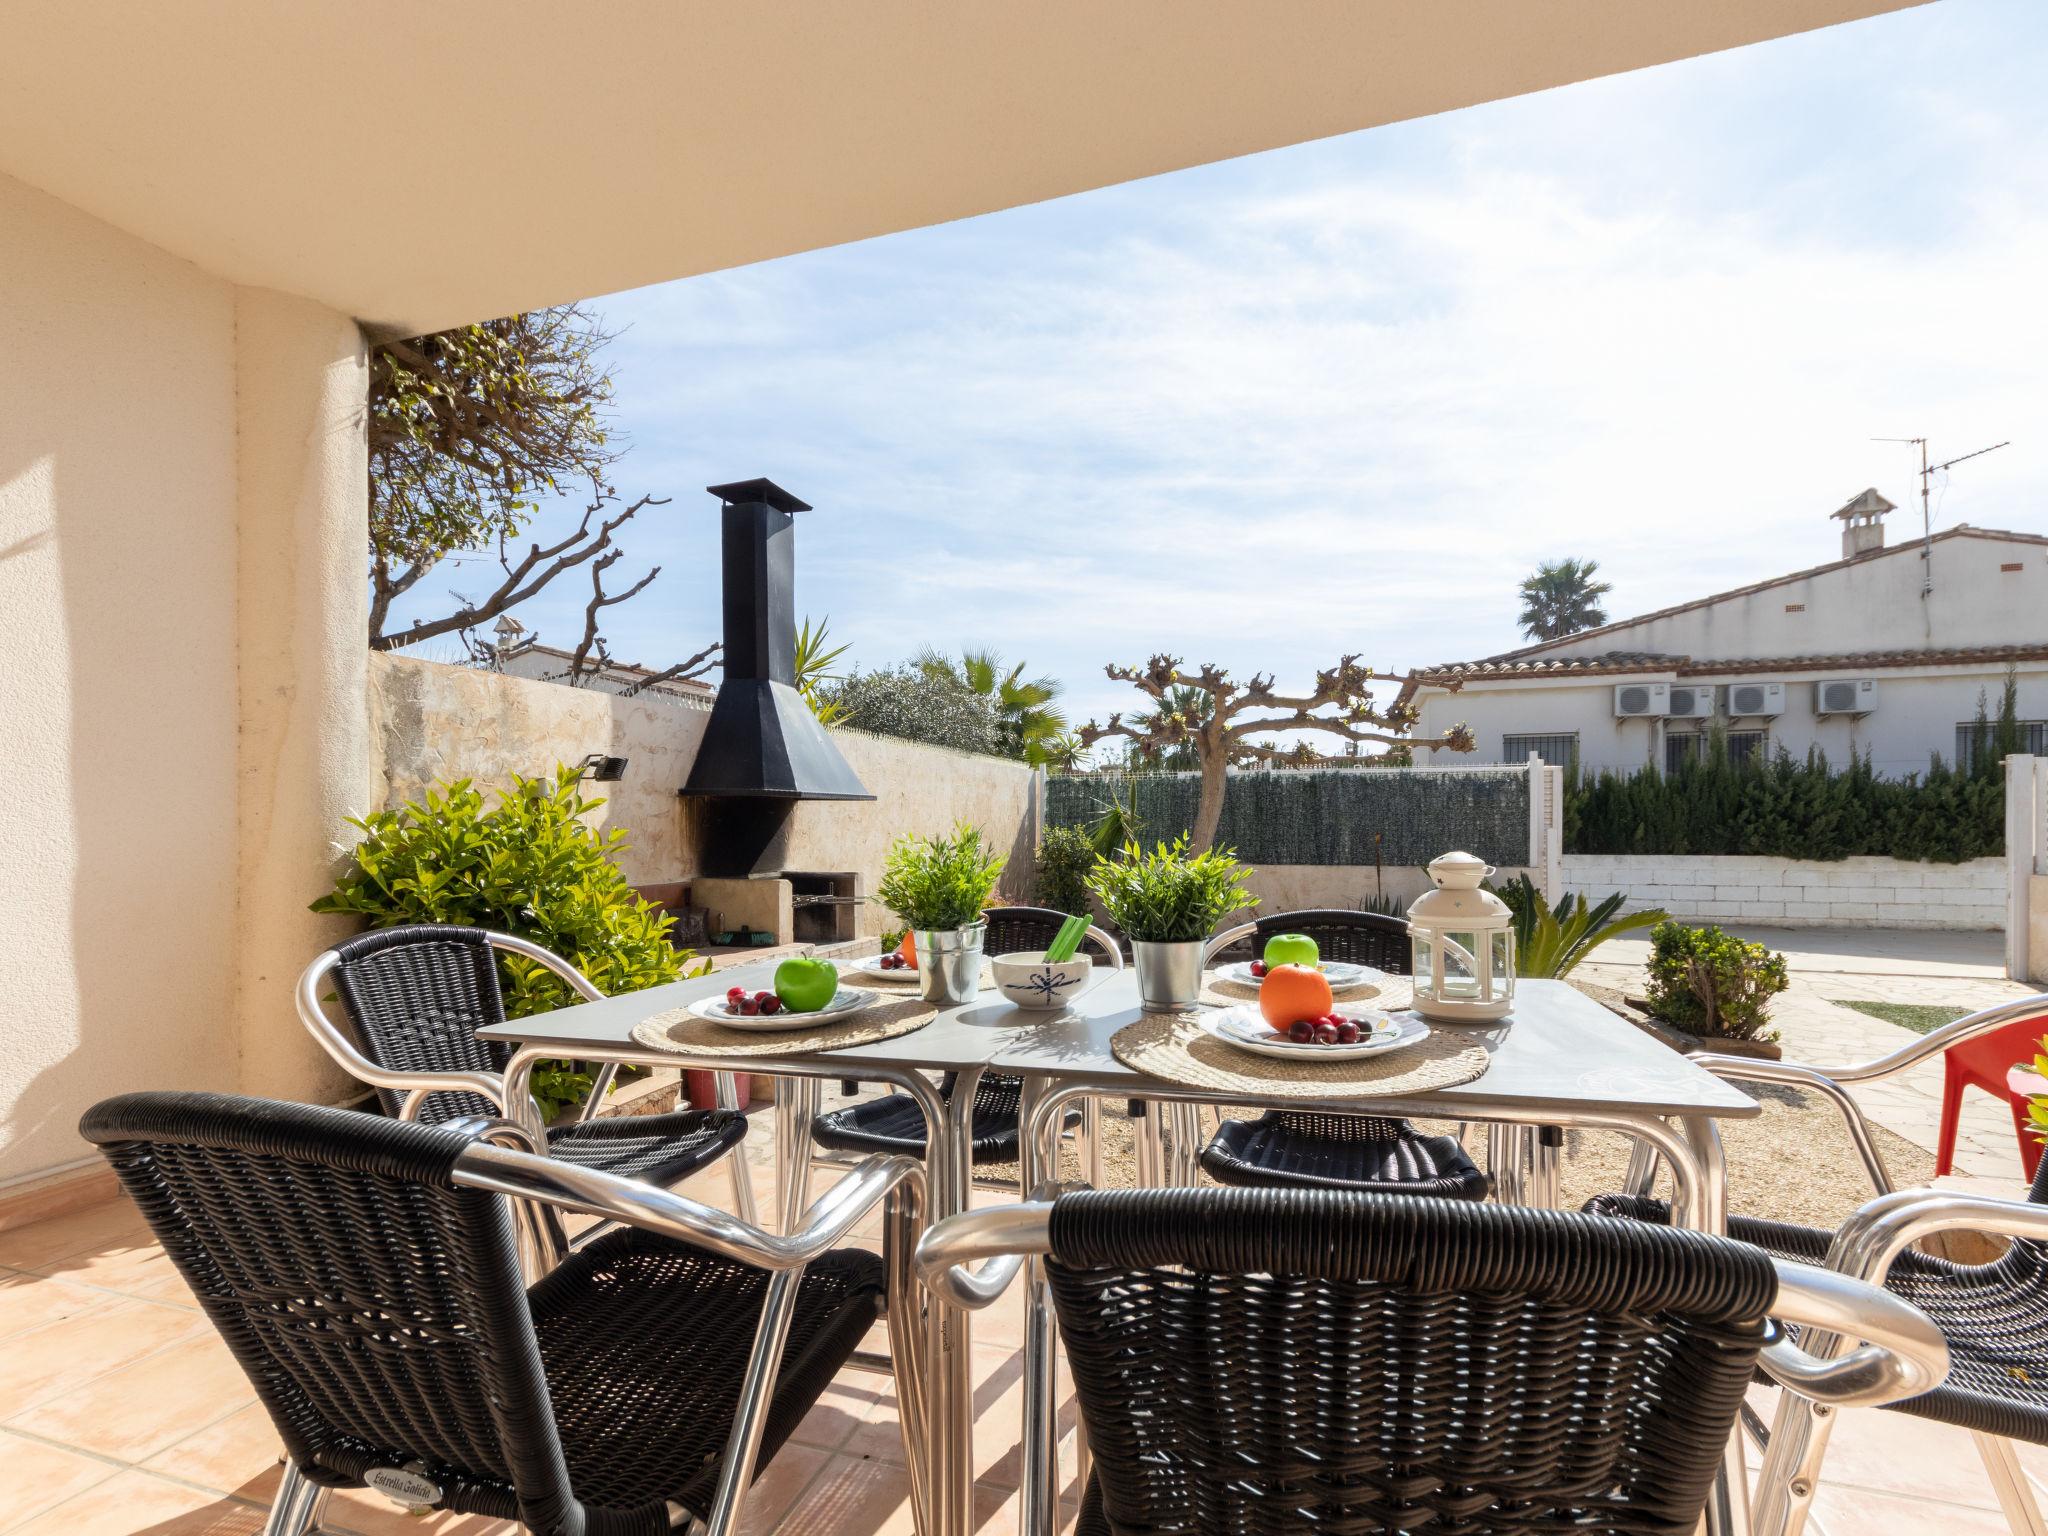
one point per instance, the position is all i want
(1902, 1353)
(1863, 1250)
(418, 1086)
(502, 1161)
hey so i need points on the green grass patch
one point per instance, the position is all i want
(1921, 1018)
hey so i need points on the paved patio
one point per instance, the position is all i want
(1933, 966)
(120, 1411)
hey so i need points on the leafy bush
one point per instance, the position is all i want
(1065, 855)
(1711, 983)
(916, 706)
(1788, 808)
(938, 883)
(1549, 940)
(1170, 896)
(528, 866)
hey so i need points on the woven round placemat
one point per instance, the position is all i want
(678, 1029)
(1172, 1047)
(1394, 992)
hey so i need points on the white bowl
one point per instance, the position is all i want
(1029, 980)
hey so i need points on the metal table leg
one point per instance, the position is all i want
(1728, 1505)
(797, 1100)
(727, 1088)
(1545, 1145)
(952, 1374)
(1039, 1487)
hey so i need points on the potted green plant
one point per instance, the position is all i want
(938, 886)
(1167, 903)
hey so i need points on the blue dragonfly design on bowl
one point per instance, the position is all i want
(1048, 984)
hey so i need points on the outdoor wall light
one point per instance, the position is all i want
(604, 770)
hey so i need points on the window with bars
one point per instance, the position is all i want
(1682, 747)
(2033, 740)
(1556, 750)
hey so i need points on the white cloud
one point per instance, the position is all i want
(1269, 413)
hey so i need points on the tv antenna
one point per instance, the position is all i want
(1927, 474)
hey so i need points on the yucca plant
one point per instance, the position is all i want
(1549, 940)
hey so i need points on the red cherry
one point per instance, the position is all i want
(1347, 1033)
(1258, 968)
(1302, 1032)
(748, 1007)
(771, 1004)
(734, 994)
(1325, 1035)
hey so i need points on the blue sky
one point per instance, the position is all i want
(1342, 397)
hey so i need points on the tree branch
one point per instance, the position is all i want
(682, 671)
(520, 581)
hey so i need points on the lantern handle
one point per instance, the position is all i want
(1445, 941)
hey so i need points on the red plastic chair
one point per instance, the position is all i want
(1984, 1063)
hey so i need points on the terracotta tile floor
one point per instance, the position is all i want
(120, 1413)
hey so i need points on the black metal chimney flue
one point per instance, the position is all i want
(763, 742)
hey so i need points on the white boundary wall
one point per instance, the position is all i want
(1800, 893)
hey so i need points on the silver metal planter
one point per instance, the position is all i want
(1169, 975)
(949, 963)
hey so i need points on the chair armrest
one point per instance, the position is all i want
(1866, 1244)
(1215, 944)
(416, 1085)
(1004, 1235)
(1955, 1032)
(1902, 1354)
(663, 1211)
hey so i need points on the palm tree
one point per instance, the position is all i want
(1024, 712)
(1066, 753)
(1562, 598)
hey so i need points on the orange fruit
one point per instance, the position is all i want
(1294, 992)
(908, 948)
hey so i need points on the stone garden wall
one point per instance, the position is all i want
(1800, 893)
(431, 722)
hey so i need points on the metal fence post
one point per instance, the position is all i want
(2022, 849)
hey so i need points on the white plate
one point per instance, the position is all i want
(871, 967)
(1244, 1027)
(845, 1002)
(1338, 973)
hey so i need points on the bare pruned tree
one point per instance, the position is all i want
(591, 658)
(1220, 730)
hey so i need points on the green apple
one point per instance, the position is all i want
(1291, 949)
(806, 985)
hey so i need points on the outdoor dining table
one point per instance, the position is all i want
(1560, 1061)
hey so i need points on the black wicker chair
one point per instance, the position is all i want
(414, 999)
(364, 1272)
(1994, 1316)
(894, 1123)
(1285, 1360)
(1288, 1149)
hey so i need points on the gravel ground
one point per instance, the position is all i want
(1794, 1161)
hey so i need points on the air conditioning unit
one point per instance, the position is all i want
(1692, 701)
(1755, 699)
(1633, 700)
(1845, 696)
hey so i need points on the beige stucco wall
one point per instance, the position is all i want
(430, 722)
(181, 534)
(303, 749)
(117, 673)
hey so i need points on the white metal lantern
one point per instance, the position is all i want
(1464, 944)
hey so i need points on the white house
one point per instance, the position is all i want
(1883, 652)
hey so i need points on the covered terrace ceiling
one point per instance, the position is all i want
(418, 163)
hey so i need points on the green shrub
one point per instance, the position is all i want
(1788, 808)
(1711, 983)
(1170, 896)
(939, 883)
(1065, 855)
(915, 706)
(528, 866)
